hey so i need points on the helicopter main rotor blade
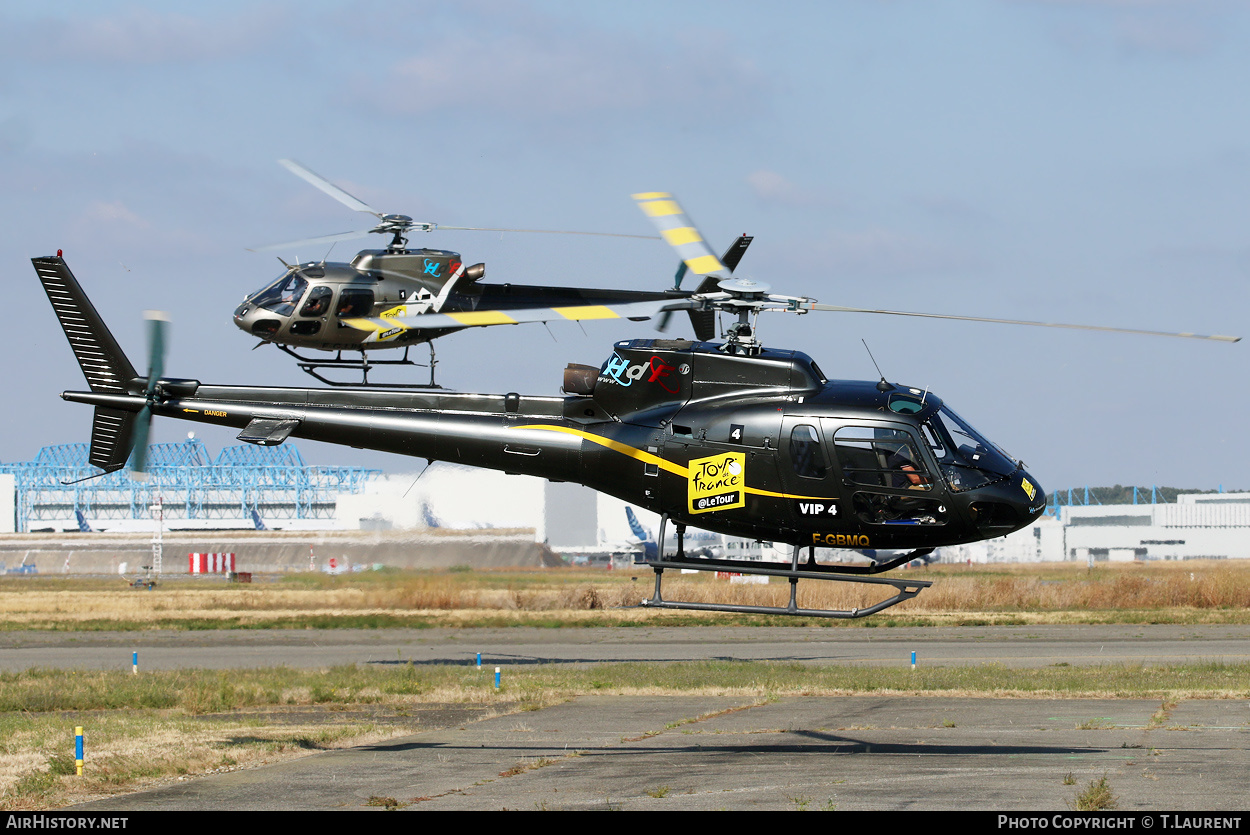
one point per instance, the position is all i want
(307, 242)
(328, 187)
(396, 225)
(441, 227)
(805, 306)
(430, 227)
(680, 233)
(389, 325)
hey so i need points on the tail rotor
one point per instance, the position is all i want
(158, 323)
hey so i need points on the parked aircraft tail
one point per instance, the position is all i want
(649, 548)
(634, 525)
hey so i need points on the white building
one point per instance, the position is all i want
(1197, 526)
(574, 520)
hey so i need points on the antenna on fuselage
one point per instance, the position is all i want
(883, 385)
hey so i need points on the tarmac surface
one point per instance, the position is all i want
(1015, 646)
(690, 752)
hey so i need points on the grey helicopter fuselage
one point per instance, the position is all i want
(307, 306)
(310, 304)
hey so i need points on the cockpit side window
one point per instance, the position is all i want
(354, 302)
(805, 452)
(318, 302)
(895, 486)
(881, 457)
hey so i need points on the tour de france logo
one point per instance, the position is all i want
(718, 482)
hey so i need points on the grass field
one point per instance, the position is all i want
(1171, 592)
(162, 726)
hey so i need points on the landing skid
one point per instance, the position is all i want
(793, 571)
(363, 365)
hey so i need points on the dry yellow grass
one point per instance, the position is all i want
(1022, 589)
(173, 748)
(1066, 591)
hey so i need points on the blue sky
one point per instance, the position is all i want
(1080, 161)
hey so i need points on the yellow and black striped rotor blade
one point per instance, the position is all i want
(386, 327)
(680, 233)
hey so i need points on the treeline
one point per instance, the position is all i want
(1119, 494)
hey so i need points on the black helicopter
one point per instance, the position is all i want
(364, 306)
(729, 437)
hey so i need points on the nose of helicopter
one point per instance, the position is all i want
(243, 318)
(1035, 498)
(247, 320)
(1008, 505)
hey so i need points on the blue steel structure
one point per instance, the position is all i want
(1077, 497)
(272, 481)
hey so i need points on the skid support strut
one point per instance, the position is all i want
(903, 589)
(311, 366)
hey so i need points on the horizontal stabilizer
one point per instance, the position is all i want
(268, 431)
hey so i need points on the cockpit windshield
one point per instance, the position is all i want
(281, 296)
(966, 458)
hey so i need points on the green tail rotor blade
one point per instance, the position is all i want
(681, 273)
(139, 453)
(158, 322)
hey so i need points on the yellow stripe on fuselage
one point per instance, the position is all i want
(651, 458)
(615, 446)
(590, 311)
(483, 317)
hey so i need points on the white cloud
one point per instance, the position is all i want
(1164, 34)
(139, 36)
(772, 187)
(537, 75)
(880, 252)
(1179, 28)
(115, 214)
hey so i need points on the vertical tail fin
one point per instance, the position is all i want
(634, 525)
(102, 361)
